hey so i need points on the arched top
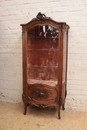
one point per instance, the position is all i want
(42, 20)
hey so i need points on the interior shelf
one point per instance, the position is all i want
(43, 37)
(51, 83)
(34, 66)
(49, 50)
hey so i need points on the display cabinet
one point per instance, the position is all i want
(45, 50)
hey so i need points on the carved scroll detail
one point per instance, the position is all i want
(41, 16)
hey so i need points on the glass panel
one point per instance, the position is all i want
(64, 57)
(42, 53)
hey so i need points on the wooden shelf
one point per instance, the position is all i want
(43, 37)
(49, 50)
(39, 67)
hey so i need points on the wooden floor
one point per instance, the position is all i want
(12, 118)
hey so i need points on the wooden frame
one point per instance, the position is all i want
(43, 95)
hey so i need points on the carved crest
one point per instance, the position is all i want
(41, 16)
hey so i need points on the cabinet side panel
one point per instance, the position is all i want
(65, 53)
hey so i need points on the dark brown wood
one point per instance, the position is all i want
(42, 92)
(43, 45)
(58, 111)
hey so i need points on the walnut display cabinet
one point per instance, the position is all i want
(45, 49)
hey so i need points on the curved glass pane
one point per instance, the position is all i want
(64, 57)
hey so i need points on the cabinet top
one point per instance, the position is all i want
(42, 20)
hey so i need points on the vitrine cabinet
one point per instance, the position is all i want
(45, 50)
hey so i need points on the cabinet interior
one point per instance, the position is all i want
(42, 55)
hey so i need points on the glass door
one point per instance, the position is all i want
(42, 55)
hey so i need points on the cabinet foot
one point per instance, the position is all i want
(63, 107)
(59, 112)
(25, 108)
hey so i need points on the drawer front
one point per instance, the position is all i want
(42, 92)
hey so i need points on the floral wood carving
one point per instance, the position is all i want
(41, 16)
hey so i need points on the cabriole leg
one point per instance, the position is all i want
(25, 107)
(63, 107)
(58, 111)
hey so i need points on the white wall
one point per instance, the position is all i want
(15, 12)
